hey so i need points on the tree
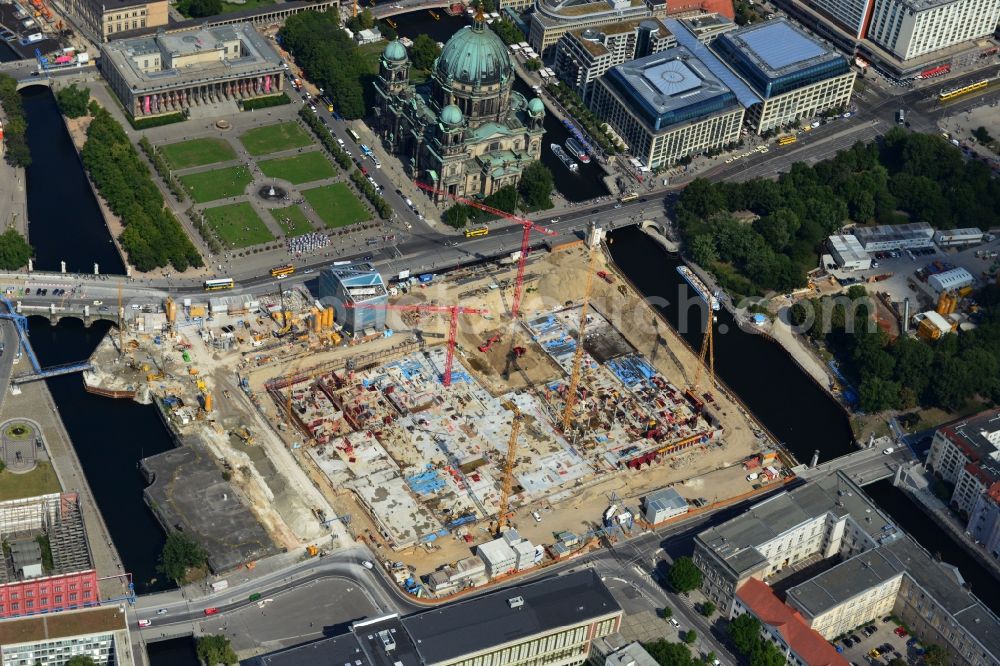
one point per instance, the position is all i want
(668, 612)
(982, 135)
(457, 216)
(14, 250)
(897, 662)
(424, 52)
(507, 31)
(214, 650)
(81, 660)
(73, 101)
(533, 65)
(536, 186)
(684, 575)
(767, 654)
(690, 636)
(710, 658)
(669, 654)
(707, 608)
(200, 8)
(179, 554)
(935, 655)
(703, 251)
(745, 633)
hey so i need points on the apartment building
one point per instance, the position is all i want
(667, 106)
(794, 75)
(103, 20)
(52, 640)
(913, 28)
(967, 454)
(550, 622)
(583, 56)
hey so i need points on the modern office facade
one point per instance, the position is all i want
(550, 622)
(102, 20)
(52, 640)
(583, 56)
(794, 75)
(358, 293)
(31, 584)
(913, 28)
(965, 454)
(667, 106)
(175, 71)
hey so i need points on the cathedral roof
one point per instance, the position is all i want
(475, 55)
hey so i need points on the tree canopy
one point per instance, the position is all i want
(669, 654)
(744, 630)
(15, 125)
(152, 237)
(424, 52)
(684, 575)
(507, 31)
(73, 101)
(213, 650)
(14, 250)
(536, 187)
(199, 8)
(906, 177)
(81, 660)
(180, 553)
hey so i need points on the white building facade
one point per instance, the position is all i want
(912, 28)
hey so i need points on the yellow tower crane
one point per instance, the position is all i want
(706, 359)
(574, 380)
(508, 468)
(121, 322)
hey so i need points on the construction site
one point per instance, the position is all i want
(550, 406)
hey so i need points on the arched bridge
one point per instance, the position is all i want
(404, 6)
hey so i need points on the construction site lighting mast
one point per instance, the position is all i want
(452, 310)
(526, 224)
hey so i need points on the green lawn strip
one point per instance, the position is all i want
(238, 225)
(39, 481)
(336, 205)
(292, 220)
(274, 138)
(197, 152)
(216, 184)
(298, 169)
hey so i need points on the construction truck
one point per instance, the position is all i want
(245, 435)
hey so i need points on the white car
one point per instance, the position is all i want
(815, 124)
(889, 450)
(674, 622)
(729, 160)
(367, 565)
(162, 611)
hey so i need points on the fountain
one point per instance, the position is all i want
(272, 193)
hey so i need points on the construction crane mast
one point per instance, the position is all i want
(121, 322)
(526, 224)
(508, 468)
(574, 380)
(452, 310)
(706, 359)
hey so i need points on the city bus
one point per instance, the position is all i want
(480, 231)
(787, 140)
(631, 196)
(282, 271)
(221, 283)
(354, 135)
(954, 93)
(328, 102)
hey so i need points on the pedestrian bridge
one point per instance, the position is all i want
(389, 10)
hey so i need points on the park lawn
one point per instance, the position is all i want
(38, 481)
(298, 169)
(272, 138)
(336, 205)
(197, 152)
(292, 220)
(216, 184)
(238, 225)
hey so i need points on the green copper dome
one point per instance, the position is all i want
(474, 55)
(451, 115)
(394, 51)
(536, 107)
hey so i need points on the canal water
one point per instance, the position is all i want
(110, 437)
(587, 182)
(787, 401)
(59, 230)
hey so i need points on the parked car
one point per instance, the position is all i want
(145, 623)
(899, 631)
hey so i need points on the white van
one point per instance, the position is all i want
(753, 476)
(536, 516)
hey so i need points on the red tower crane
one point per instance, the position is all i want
(526, 224)
(453, 310)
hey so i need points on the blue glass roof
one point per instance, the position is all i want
(744, 94)
(779, 45)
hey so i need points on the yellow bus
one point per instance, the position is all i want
(215, 285)
(787, 140)
(480, 231)
(947, 95)
(282, 271)
(631, 196)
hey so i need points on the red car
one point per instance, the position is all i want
(211, 611)
(364, 171)
(899, 631)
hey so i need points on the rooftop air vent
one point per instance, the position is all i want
(515, 602)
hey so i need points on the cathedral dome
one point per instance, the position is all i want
(474, 55)
(451, 115)
(536, 107)
(394, 51)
